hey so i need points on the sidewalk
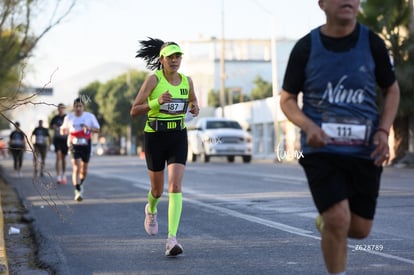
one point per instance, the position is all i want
(17, 251)
(4, 267)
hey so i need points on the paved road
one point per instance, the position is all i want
(237, 218)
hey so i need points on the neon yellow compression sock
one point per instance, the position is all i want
(152, 203)
(175, 206)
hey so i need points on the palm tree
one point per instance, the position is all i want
(393, 20)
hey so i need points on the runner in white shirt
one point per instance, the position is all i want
(79, 125)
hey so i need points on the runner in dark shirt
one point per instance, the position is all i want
(60, 144)
(42, 141)
(17, 146)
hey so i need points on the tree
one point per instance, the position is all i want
(391, 20)
(213, 99)
(262, 90)
(17, 42)
(17, 39)
(114, 99)
(88, 95)
(135, 79)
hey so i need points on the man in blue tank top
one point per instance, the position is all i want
(344, 136)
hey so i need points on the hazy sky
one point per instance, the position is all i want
(102, 31)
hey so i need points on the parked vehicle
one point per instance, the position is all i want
(219, 137)
(101, 149)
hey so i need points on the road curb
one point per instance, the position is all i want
(4, 268)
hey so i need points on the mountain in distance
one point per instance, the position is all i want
(66, 90)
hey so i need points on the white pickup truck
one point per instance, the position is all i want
(218, 137)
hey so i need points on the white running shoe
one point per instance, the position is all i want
(173, 248)
(150, 223)
(78, 195)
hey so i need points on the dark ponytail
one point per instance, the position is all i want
(150, 52)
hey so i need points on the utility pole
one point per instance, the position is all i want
(275, 84)
(222, 65)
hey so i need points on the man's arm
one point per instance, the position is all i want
(315, 136)
(391, 102)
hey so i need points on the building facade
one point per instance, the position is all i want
(244, 60)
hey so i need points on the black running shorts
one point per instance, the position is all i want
(82, 152)
(161, 147)
(333, 178)
(61, 144)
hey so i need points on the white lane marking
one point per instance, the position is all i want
(250, 218)
(144, 184)
(266, 176)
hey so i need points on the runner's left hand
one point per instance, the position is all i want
(381, 154)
